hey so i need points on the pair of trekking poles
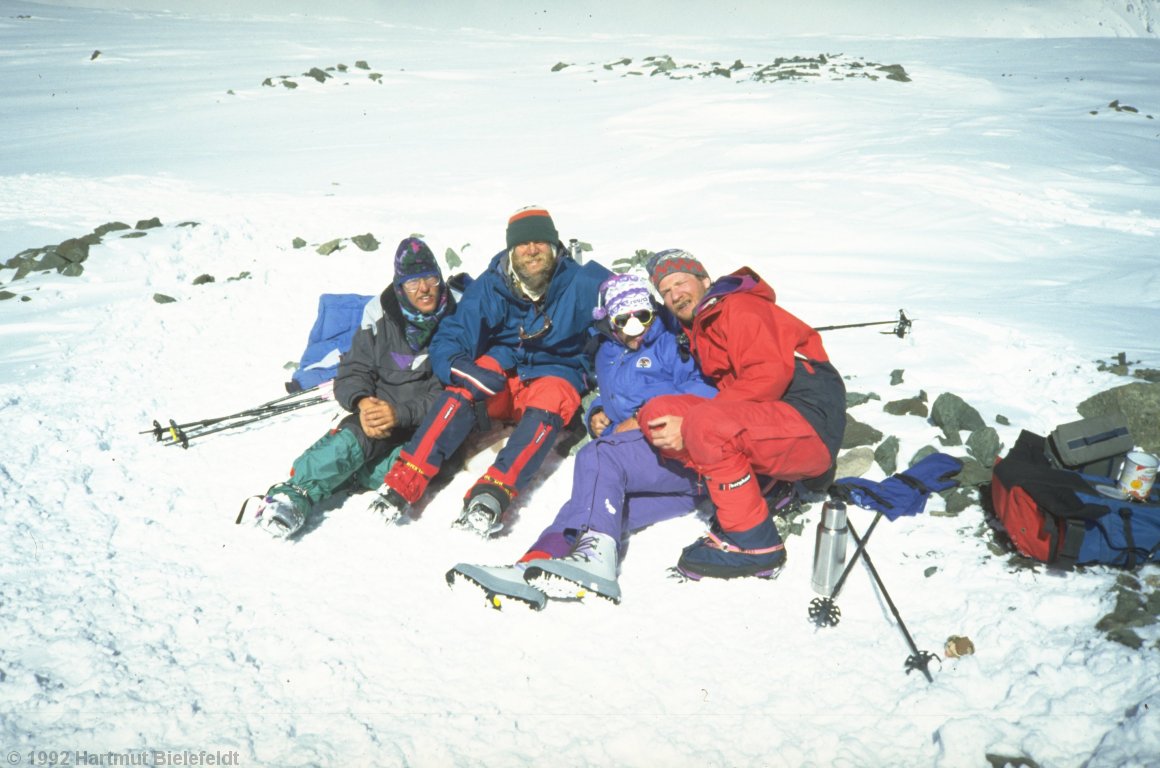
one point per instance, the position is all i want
(182, 434)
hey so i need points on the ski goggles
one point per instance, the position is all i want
(642, 316)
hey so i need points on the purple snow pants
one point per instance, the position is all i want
(619, 484)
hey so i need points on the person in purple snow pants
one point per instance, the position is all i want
(620, 483)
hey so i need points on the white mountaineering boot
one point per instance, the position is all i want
(498, 582)
(278, 516)
(389, 504)
(591, 567)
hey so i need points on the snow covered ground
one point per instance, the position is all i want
(1007, 195)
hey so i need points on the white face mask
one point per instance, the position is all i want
(633, 328)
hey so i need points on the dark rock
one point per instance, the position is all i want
(112, 226)
(161, 298)
(298, 242)
(896, 377)
(886, 455)
(984, 445)
(1137, 403)
(857, 398)
(366, 242)
(203, 279)
(330, 247)
(152, 223)
(858, 433)
(951, 414)
(911, 406)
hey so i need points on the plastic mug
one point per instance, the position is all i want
(1138, 475)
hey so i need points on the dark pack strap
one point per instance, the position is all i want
(1126, 516)
(1065, 543)
(1102, 437)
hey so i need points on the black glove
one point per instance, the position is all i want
(480, 382)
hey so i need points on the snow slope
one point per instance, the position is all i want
(1007, 196)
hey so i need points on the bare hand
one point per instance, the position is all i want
(665, 433)
(376, 417)
(627, 424)
(598, 423)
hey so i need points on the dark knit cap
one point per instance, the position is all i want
(413, 259)
(672, 261)
(531, 225)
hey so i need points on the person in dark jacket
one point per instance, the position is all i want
(780, 411)
(385, 380)
(513, 351)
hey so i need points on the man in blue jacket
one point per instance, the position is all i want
(515, 346)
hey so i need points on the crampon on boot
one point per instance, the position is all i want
(389, 504)
(279, 516)
(726, 555)
(590, 567)
(499, 582)
(483, 508)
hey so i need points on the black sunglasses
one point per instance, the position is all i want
(645, 316)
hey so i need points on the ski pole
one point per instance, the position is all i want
(181, 436)
(273, 405)
(919, 660)
(901, 325)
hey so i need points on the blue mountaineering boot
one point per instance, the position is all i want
(726, 555)
(498, 582)
(590, 567)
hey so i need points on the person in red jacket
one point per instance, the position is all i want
(780, 413)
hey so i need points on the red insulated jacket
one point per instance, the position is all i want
(753, 349)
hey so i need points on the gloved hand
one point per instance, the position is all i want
(480, 382)
(905, 493)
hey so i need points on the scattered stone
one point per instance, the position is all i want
(203, 279)
(289, 84)
(317, 74)
(855, 462)
(973, 474)
(886, 455)
(857, 398)
(298, 242)
(244, 275)
(366, 242)
(131, 235)
(956, 500)
(377, 77)
(330, 247)
(921, 454)
(1147, 374)
(912, 406)
(190, 224)
(931, 571)
(1003, 420)
(161, 298)
(896, 377)
(5, 295)
(1138, 403)
(152, 223)
(94, 55)
(360, 64)
(858, 433)
(952, 415)
(112, 226)
(984, 445)
(561, 65)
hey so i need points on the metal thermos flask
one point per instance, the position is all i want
(830, 547)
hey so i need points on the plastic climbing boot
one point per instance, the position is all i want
(590, 567)
(726, 555)
(499, 583)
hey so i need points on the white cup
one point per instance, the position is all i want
(1138, 474)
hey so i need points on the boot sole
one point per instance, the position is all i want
(764, 572)
(528, 595)
(558, 587)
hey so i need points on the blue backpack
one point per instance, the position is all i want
(1067, 518)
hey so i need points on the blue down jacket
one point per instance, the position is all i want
(490, 315)
(628, 379)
